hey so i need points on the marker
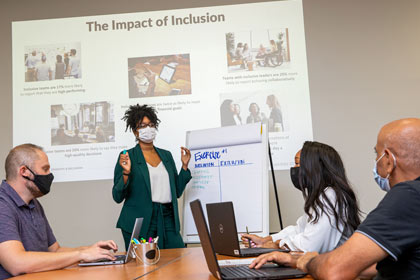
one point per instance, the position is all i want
(150, 240)
(124, 152)
(142, 240)
(156, 239)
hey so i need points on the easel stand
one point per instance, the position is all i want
(275, 186)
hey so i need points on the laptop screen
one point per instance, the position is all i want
(223, 230)
(203, 233)
(134, 234)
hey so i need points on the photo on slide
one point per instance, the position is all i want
(164, 75)
(53, 62)
(83, 123)
(262, 50)
(252, 107)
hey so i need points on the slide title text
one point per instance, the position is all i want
(96, 26)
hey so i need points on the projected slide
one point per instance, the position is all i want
(73, 79)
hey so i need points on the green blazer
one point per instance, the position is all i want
(137, 195)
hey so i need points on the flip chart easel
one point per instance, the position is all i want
(229, 164)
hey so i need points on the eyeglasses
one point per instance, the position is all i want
(144, 125)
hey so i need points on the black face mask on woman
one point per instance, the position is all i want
(43, 182)
(294, 175)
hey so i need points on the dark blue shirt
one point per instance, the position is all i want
(395, 226)
(23, 222)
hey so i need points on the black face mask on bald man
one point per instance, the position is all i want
(43, 182)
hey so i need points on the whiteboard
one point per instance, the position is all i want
(229, 164)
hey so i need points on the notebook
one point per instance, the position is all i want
(224, 234)
(234, 272)
(120, 259)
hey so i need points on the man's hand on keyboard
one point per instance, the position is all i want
(277, 257)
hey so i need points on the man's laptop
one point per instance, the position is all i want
(120, 259)
(167, 73)
(234, 272)
(224, 233)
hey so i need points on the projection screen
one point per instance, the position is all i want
(73, 79)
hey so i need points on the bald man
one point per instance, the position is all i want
(27, 243)
(387, 243)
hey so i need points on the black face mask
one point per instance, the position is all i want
(43, 182)
(294, 175)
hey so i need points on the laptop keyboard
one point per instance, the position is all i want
(242, 272)
(118, 258)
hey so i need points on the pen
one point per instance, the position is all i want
(249, 239)
(156, 239)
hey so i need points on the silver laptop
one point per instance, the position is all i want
(240, 271)
(223, 231)
(120, 259)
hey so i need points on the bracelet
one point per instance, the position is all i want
(126, 174)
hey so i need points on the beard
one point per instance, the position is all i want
(33, 189)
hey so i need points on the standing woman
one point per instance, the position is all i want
(146, 178)
(227, 110)
(275, 121)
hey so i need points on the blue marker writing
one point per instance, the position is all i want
(207, 155)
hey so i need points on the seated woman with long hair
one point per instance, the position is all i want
(331, 209)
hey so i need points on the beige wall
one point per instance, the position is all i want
(364, 70)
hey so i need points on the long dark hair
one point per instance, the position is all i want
(321, 167)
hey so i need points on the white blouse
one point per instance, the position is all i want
(320, 237)
(159, 183)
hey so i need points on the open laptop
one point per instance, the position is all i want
(224, 233)
(167, 73)
(120, 259)
(234, 272)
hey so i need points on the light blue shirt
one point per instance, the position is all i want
(32, 61)
(74, 63)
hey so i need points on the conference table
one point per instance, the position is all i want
(185, 263)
